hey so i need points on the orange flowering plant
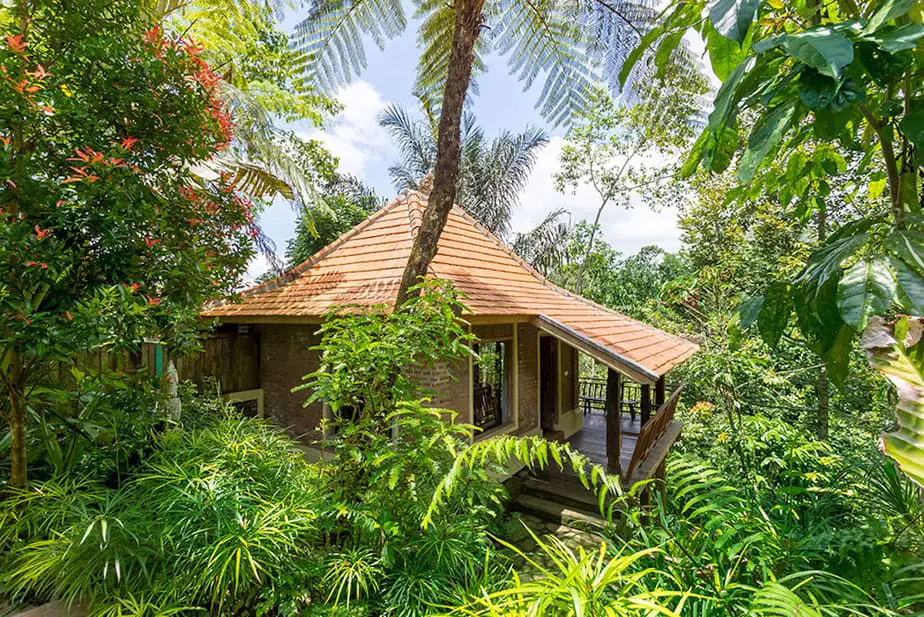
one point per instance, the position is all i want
(106, 235)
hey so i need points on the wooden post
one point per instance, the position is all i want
(646, 404)
(613, 428)
(659, 393)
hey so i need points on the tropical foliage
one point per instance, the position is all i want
(830, 88)
(106, 238)
(620, 150)
(492, 173)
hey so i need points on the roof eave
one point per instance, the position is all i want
(595, 350)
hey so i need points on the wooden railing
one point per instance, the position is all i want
(652, 431)
(592, 395)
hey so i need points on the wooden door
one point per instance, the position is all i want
(548, 382)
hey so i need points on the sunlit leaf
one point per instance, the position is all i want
(824, 49)
(902, 363)
(733, 18)
(866, 289)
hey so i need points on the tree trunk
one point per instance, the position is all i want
(590, 248)
(823, 394)
(448, 145)
(822, 391)
(17, 395)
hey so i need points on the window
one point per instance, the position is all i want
(490, 384)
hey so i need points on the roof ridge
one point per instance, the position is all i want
(545, 281)
(292, 273)
(415, 201)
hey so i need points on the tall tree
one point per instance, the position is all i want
(492, 174)
(845, 74)
(346, 203)
(105, 235)
(628, 150)
(548, 37)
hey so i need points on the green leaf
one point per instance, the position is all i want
(910, 286)
(909, 246)
(901, 360)
(876, 188)
(824, 49)
(727, 97)
(713, 150)
(866, 289)
(774, 313)
(902, 38)
(912, 126)
(724, 54)
(767, 134)
(749, 310)
(636, 54)
(825, 262)
(733, 18)
(837, 355)
(887, 11)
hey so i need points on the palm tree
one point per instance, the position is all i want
(491, 173)
(545, 246)
(539, 37)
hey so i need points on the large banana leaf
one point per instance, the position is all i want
(896, 350)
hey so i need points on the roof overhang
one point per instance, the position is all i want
(598, 352)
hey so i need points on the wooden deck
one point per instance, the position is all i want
(591, 440)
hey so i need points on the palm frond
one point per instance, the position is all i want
(544, 246)
(257, 181)
(504, 170)
(332, 34)
(416, 144)
(434, 38)
(544, 37)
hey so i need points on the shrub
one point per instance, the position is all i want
(214, 519)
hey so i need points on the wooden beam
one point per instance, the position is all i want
(659, 392)
(613, 424)
(646, 404)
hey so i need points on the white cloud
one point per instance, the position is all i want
(355, 136)
(626, 230)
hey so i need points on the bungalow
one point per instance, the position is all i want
(530, 333)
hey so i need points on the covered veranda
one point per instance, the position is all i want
(628, 424)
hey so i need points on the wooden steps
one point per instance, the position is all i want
(556, 512)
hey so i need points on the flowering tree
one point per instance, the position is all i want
(105, 235)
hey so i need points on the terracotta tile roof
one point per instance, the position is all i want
(364, 267)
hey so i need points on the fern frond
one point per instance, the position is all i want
(813, 594)
(533, 453)
(332, 34)
(544, 37)
(434, 38)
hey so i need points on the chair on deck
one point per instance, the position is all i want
(591, 394)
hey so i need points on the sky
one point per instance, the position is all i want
(365, 149)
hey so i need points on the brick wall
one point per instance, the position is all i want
(528, 367)
(285, 359)
(448, 383)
